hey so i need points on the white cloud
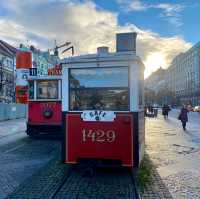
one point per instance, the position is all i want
(169, 12)
(169, 8)
(137, 6)
(12, 31)
(85, 25)
(132, 5)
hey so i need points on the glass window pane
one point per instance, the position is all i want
(99, 89)
(99, 77)
(31, 89)
(47, 89)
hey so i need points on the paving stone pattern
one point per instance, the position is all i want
(44, 183)
(104, 184)
(11, 127)
(176, 153)
(157, 188)
(57, 180)
(21, 159)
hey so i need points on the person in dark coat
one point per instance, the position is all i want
(155, 111)
(145, 111)
(165, 111)
(183, 117)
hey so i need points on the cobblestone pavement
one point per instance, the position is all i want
(12, 130)
(156, 189)
(70, 182)
(31, 168)
(10, 127)
(22, 157)
(44, 183)
(104, 184)
(176, 155)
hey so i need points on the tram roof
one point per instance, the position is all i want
(102, 57)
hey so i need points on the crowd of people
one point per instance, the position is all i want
(151, 111)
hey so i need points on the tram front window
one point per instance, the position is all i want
(99, 89)
(47, 89)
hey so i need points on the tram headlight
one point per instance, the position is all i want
(48, 113)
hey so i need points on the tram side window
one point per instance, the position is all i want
(99, 89)
(31, 90)
(47, 89)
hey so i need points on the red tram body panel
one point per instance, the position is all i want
(100, 140)
(36, 114)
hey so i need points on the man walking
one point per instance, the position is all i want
(183, 116)
(165, 111)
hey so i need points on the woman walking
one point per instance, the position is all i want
(183, 117)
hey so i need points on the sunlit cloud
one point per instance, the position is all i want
(155, 58)
(40, 22)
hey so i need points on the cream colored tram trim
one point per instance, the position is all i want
(65, 89)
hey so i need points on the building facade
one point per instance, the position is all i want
(7, 72)
(42, 60)
(183, 76)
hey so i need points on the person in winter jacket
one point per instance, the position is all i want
(183, 117)
(165, 111)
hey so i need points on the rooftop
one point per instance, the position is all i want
(7, 50)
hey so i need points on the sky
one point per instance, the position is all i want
(165, 27)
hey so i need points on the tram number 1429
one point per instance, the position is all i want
(98, 135)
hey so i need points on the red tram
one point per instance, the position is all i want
(102, 105)
(44, 105)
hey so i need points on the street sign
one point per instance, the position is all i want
(32, 71)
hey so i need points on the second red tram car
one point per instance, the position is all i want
(44, 105)
(102, 105)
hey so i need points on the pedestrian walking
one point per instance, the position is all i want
(155, 111)
(145, 111)
(183, 116)
(151, 109)
(165, 111)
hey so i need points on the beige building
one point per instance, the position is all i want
(183, 76)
